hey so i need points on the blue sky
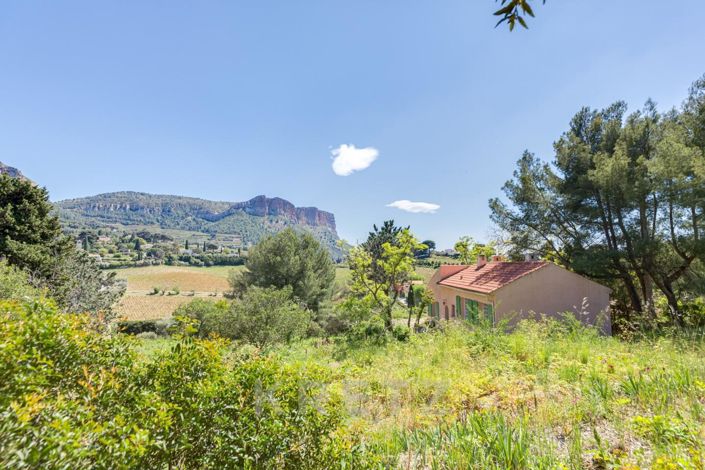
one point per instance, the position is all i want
(230, 99)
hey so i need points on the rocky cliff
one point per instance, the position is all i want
(8, 170)
(250, 219)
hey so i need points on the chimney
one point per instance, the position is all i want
(481, 260)
(496, 258)
(531, 257)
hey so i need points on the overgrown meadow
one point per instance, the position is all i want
(548, 395)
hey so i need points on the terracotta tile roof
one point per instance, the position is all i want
(491, 276)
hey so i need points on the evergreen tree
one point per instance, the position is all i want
(31, 239)
(289, 259)
(30, 235)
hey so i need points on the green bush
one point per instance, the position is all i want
(14, 283)
(207, 315)
(401, 333)
(74, 398)
(371, 330)
(262, 316)
(135, 327)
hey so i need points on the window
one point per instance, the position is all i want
(472, 310)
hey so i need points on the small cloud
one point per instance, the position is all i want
(348, 159)
(415, 207)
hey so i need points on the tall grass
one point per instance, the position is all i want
(546, 395)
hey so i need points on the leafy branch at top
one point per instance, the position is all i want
(513, 12)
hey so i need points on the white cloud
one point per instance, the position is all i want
(415, 207)
(348, 159)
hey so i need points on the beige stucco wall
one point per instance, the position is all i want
(553, 290)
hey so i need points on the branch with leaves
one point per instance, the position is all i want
(513, 12)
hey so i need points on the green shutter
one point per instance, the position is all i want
(458, 307)
(472, 310)
(430, 310)
(489, 313)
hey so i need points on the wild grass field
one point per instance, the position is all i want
(544, 396)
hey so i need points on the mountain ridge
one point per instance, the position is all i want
(251, 219)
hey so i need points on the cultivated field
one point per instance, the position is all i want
(186, 278)
(139, 302)
(149, 307)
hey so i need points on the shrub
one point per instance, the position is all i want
(14, 284)
(347, 314)
(400, 333)
(206, 314)
(73, 398)
(136, 327)
(371, 330)
(264, 316)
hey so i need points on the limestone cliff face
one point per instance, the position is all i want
(277, 207)
(10, 171)
(173, 211)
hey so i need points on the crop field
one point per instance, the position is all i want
(149, 307)
(139, 303)
(186, 278)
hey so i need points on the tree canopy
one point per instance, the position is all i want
(382, 265)
(31, 240)
(622, 201)
(289, 259)
(30, 236)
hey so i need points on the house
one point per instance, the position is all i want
(499, 289)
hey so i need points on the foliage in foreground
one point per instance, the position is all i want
(73, 398)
